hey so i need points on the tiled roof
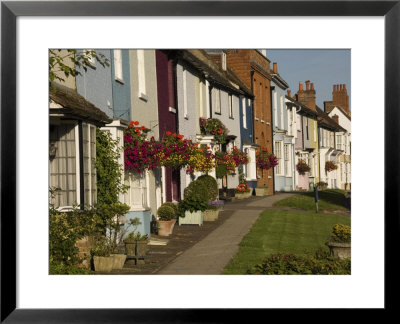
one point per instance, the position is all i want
(74, 105)
(326, 121)
(203, 62)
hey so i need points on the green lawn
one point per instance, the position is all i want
(283, 231)
(330, 199)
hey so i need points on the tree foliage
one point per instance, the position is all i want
(60, 66)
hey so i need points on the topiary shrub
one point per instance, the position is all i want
(195, 198)
(172, 205)
(211, 184)
(166, 213)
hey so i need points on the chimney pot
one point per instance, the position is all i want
(275, 67)
(344, 87)
(300, 86)
(312, 86)
(289, 93)
(307, 85)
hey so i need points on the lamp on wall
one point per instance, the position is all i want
(52, 150)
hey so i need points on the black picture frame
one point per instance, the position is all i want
(10, 10)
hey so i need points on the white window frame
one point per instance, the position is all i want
(287, 159)
(244, 112)
(185, 103)
(275, 109)
(138, 185)
(282, 111)
(230, 105)
(217, 101)
(92, 197)
(278, 153)
(142, 93)
(118, 73)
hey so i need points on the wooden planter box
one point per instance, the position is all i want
(340, 250)
(261, 191)
(195, 218)
(103, 264)
(243, 195)
(210, 215)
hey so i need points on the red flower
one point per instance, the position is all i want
(168, 133)
(136, 123)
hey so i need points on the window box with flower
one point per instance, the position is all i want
(243, 191)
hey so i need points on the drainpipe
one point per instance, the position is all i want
(210, 98)
(272, 88)
(175, 62)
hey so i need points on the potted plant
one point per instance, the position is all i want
(167, 213)
(211, 213)
(322, 185)
(194, 203)
(219, 204)
(243, 191)
(339, 242)
(261, 191)
(101, 254)
(135, 242)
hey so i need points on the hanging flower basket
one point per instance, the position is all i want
(239, 157)
(140, 153)
(175, 150)
(302, 167)
(200, 159)
(330, 166)
(225, 165)
(265, 160)
(214, 127)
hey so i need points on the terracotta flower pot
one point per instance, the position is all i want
(165, 227)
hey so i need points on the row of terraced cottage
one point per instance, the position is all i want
(177, 92)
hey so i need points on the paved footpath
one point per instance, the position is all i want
(213, 253)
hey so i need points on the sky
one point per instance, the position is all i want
(323, 67)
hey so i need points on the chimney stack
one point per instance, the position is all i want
(275, 67)
(307, 97)
(336, 119)
(340, 98)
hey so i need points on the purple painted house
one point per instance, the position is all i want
(167, 116)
